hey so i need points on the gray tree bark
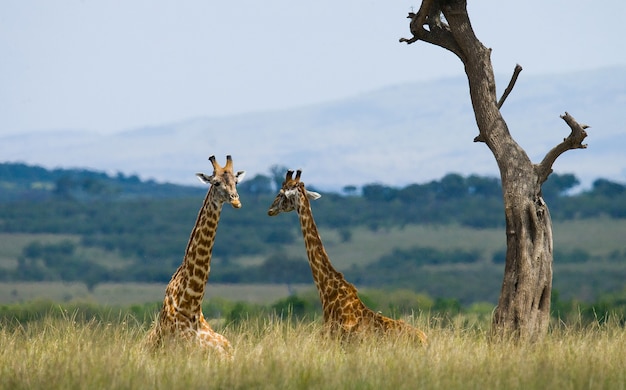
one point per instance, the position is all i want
(523, 310)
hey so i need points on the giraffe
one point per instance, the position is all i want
(181, 314)
(345, 315)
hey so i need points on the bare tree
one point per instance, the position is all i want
(523, 310)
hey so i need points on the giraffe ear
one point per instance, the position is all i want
(239, 176)
(206, 179)
(313, 195)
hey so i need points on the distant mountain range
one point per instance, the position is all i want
(409, 133)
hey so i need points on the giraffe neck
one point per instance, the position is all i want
(327, 279)
(188, 283)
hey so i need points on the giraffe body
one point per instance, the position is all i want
(181, 315)
(344, 312)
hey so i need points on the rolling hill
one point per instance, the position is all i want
(401, 134)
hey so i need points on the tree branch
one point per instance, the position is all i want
(418, 20)
(509, 87)
(573, 141)
(507, 91)
(438, 33)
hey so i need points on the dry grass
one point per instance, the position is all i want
(272, 354)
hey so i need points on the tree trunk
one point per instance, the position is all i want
(523, 310)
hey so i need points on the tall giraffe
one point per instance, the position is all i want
(344, 313)
(181, 315)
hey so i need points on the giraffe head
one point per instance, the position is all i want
(223, 182)
(289, 194)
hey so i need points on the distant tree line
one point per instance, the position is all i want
(20, 181)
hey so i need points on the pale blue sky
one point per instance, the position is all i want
(114, 65)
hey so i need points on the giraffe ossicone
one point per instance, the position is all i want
(344, 312)
(181, 315)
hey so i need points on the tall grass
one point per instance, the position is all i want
(275, 354)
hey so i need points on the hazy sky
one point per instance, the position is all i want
(114, 65)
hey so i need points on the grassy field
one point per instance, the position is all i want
(583, 281)
(272, 354)
(11, 245)
(123, 294)
(598, 237)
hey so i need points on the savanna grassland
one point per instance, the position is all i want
(583, 280)
(274, 354)
(79, 247)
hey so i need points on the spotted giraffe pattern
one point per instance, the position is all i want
(181, 315)
(344, 312)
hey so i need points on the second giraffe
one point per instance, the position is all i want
(344, 312)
